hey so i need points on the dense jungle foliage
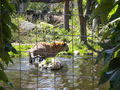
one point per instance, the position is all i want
(110, 41)
(105, 38)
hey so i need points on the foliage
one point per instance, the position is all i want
(36, 6)
(22, 50)
(50, 33)
(57, 9)
(6, 26)
(45, 32)
(109, 13)
(47, 61)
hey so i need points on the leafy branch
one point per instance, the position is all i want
(6, 26)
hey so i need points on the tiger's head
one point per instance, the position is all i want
(61, 46)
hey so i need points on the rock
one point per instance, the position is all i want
(76, 53)
(55, 64)
(26, 26)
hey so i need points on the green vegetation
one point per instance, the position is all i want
(50, 33)
(6, 26)
(22, 50)
(109, 12)
(47, 61)
(105, 39)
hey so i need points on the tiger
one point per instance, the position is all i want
(45, 50)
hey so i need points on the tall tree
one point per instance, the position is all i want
(88, 8)
(66, 15)
(82, 20)
(84, 17)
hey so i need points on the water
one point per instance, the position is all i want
(76, 74)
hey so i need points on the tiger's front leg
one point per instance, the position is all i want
(31, 58)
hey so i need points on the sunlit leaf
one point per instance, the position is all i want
(115, 16)
(103, 10)
(113, 11)
(117, 54)
(98, 1)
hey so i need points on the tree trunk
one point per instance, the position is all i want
(88, 9)
(66, 15)
(82, 20)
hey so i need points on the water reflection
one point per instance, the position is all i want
(77, 75)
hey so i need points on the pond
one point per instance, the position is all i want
(78, 73)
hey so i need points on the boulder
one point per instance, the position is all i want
(76, 53)
(26, 26)
(52, 64)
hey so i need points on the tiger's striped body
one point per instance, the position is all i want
(46, 50)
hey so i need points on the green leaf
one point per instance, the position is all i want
(115, 76)
(1, 66)
(1, 88)
(115, 80)
(115, 33)
(117, 54)
(115, 16)
(108, 55)
(9, 47)
(6, 32)
(6, 20)
(107, 34)
(103, 10)
(117, 47)
(114, 64)
(100, 56)
(113, 10)
(13, 26)
(106, 45)
(105, 77)
(118, 27)
(1, 42)
(3, 76)
(8, 6)
(5, 57)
